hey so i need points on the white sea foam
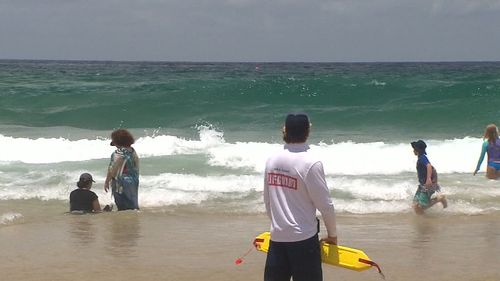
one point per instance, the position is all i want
(51, 150)
(162, 145)
(351, 194)
(375, 189)
(377, 83)
(359, 206)
(9, 218)
(344, 158)
(371, 177)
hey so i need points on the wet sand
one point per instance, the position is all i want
(158, 245)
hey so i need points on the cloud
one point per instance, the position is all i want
(465, 7)
(255, 30)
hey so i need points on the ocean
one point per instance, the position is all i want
(203, 133)
(204, 130)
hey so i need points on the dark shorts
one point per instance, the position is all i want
(301, 259)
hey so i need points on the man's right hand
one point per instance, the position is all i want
(330, 240)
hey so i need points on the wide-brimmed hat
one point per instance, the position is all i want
(419, 146)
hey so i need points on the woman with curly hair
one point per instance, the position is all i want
(123, 171)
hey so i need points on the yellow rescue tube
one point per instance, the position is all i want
(345, 257)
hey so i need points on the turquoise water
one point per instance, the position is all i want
(345, 101)
(204, 130)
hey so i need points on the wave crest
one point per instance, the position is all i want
(344, 158)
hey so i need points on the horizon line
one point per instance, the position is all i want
(248, 62)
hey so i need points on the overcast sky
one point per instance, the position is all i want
(251, 30)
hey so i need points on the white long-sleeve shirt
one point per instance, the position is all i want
(294, 187)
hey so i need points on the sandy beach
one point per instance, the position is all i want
(157, 244)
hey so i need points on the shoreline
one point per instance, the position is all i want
(169, 246)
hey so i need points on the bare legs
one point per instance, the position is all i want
(492, 173)
(440, 198)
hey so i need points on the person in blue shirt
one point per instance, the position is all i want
(429, 191)
(491, 146)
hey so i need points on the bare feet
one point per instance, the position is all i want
(443, 201)
(108, 208)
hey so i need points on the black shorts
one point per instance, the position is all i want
(301, 259)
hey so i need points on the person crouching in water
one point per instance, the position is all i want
(428, 181)
(82, 200)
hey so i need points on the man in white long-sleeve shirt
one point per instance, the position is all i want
(294, 188)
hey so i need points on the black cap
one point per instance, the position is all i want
(419, 146)
(297, 123)
(85, 178)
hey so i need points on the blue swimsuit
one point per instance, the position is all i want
(493, 151)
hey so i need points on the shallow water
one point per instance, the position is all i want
(156, 244)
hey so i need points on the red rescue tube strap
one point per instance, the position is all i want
(371, 263)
